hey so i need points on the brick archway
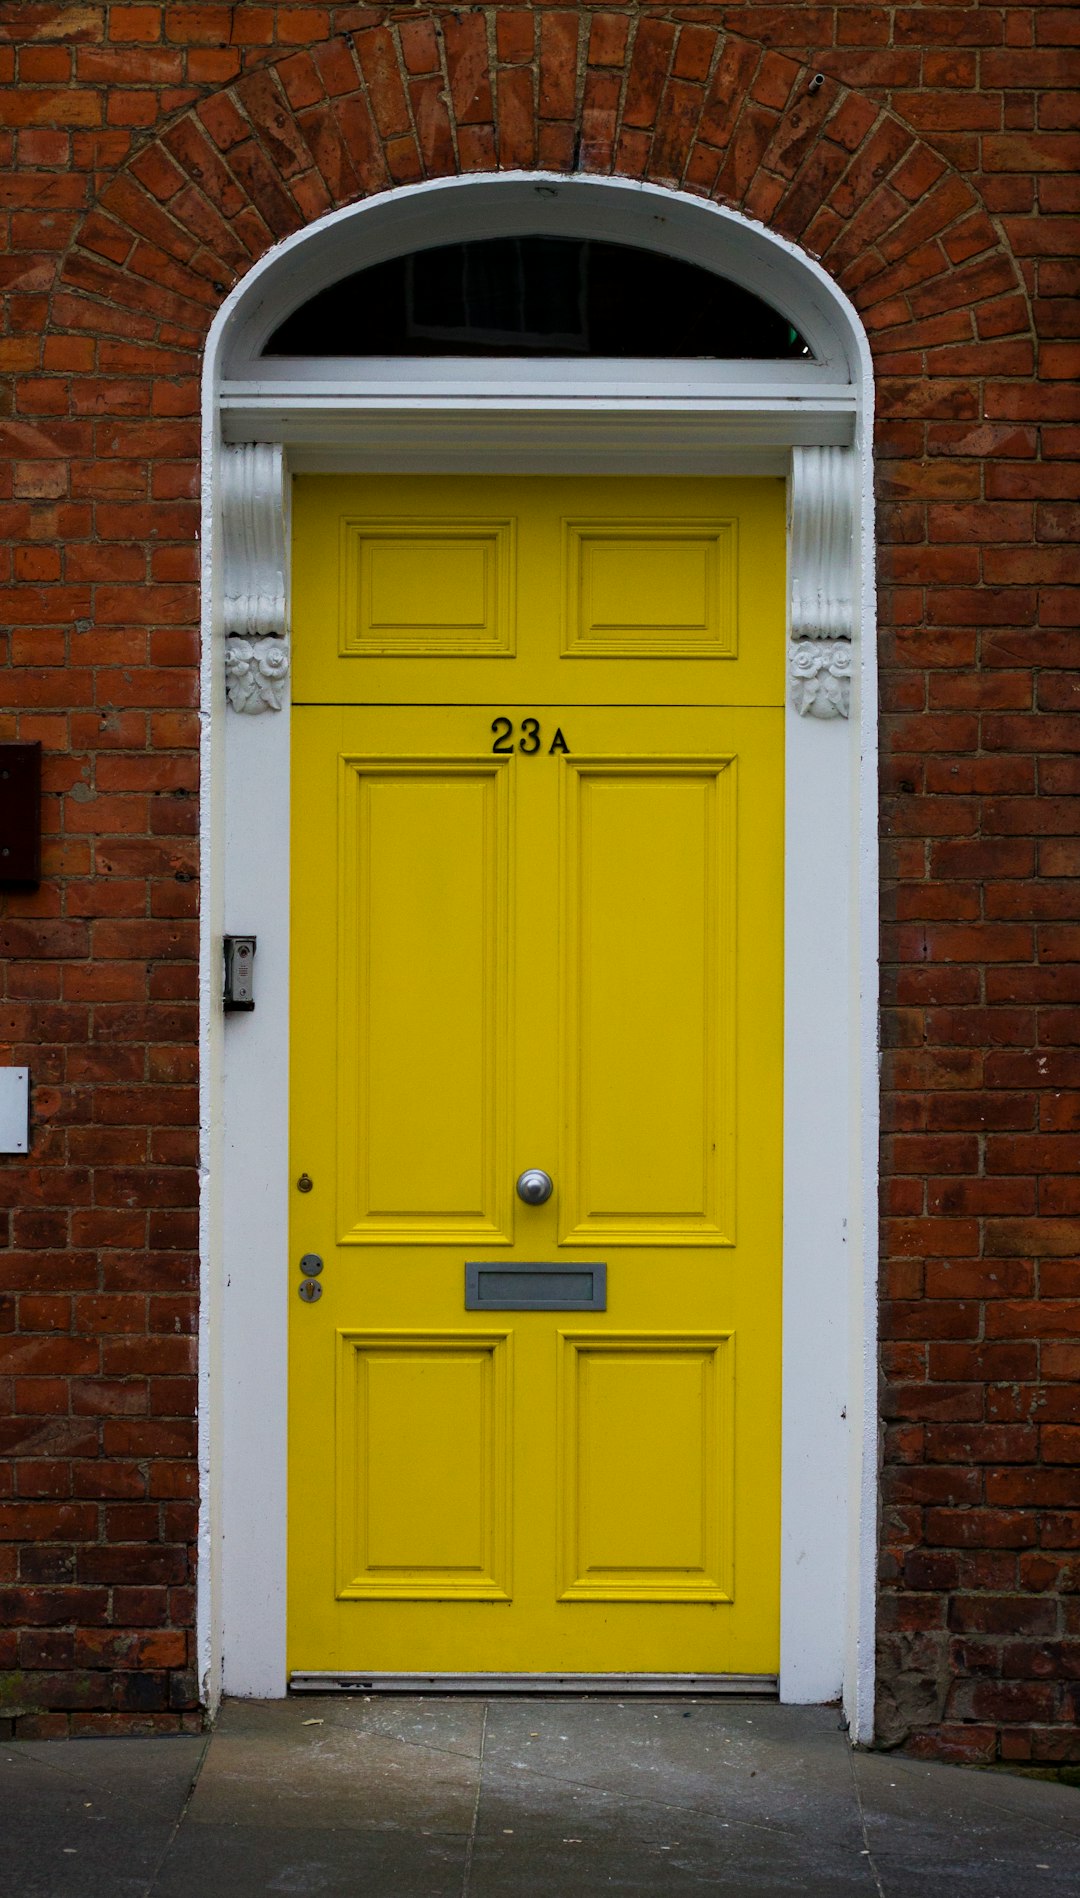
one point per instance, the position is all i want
(682, 105)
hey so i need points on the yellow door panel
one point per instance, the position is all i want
(652, 588)
(648, 1002)
(645, 1488)
(610, 590)
(425, 941)
(435, 1525)
(545, 932)
(411, 587)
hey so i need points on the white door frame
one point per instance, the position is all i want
(812, 421)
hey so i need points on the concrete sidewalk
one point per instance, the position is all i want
(521, 1798)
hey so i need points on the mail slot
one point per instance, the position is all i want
(535, 1287)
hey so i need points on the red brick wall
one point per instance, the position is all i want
(150, 154)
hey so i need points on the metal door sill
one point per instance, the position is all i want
(699, 1685)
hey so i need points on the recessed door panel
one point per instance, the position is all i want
(648, 1003)
(423, 1509)
(650, 589)
(424, 943)
(426, 587)
(645, 1491)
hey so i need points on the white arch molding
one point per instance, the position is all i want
(809, 420)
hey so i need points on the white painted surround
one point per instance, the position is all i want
(534, 417)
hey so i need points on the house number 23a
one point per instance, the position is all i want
(531, 740)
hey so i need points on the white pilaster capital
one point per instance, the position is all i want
(821, 614)
(253, 529)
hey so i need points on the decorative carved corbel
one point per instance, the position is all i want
(255, 673)
(821, 522)
(256, 575)
(819, 675)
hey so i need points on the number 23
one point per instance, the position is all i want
(529, 742)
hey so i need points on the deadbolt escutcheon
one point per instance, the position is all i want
(311, 1265)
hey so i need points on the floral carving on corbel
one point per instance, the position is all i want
(821, 521)
(819, 673)
(255, 673)
(256, 575)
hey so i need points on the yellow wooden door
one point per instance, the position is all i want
(536, 928)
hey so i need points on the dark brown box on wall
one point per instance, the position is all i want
(20, 813)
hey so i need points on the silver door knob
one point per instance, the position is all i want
(535, 1186)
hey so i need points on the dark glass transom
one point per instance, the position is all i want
(537, 296)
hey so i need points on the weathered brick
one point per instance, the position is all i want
(119, 253)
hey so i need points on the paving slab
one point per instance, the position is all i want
(392, 1766)
(738, 1761)
(935, 1829)
(406, 1797)
(637, 1796)
(245, 1861)
(91, 1818)
(551, 1869)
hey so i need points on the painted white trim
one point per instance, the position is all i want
(865, 1091)
(830, 1464)
(524, 378)
(416, 217)
(821, 521)
(255, 488)
(612, 437)
(253, 513)
(821, 580)
(208, 1589)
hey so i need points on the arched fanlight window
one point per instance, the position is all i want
(537, 296)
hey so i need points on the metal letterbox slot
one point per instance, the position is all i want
(535, 1287)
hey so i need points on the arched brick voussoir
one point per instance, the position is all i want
(674, 103)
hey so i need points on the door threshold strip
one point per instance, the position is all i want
(698, 1685)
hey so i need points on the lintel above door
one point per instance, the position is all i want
(653, 426)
